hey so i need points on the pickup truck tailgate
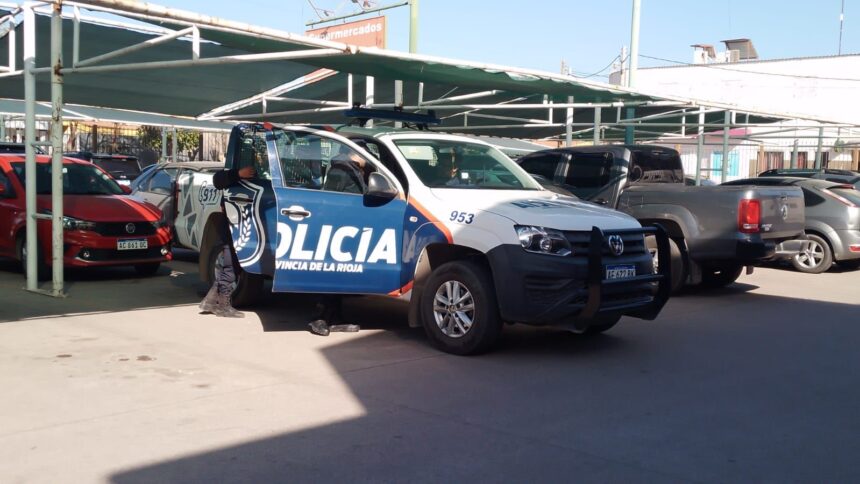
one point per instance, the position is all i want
(782, 213)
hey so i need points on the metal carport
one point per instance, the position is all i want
(179, 63)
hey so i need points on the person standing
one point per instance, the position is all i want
(217, 300)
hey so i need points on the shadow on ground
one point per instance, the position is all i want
(760, 388)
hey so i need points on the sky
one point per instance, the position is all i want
(587, 35)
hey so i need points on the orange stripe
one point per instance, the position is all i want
(433, 219)
(402, 290)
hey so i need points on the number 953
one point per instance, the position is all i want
(462, 217)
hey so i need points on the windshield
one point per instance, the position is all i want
(457, 164)
(119, 166)
(78, 179)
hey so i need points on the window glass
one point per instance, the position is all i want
(311, 161)
(253, 152)
(811, 199)
(455, 164)
(588, 173)
(162, 181)
(119, 166)
(384, 155)
(850, 194)
(543, 165)
(656, 166)
(78, 179)
(6, 190)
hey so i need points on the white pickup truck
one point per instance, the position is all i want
(448, 223)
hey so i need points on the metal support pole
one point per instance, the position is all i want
(700, 146)
(684, 124)
(629, 133)
(29, 141)
(634, 44)
(57, 149)
(596, 126)
(2, 128)
(76, 35)
(174, 146)
(726, 127)
(398, 100)
(413, 26)
(818, 149)
(163, 144)
(369, 94)
(568, 124)
(794, 155)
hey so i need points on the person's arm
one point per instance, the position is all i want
(228, 178)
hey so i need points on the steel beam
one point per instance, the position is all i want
(57, 150)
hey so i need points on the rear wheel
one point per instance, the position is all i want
(459, 311)
(677, 273)
(247, 289)
(817, 258)
(43, 271)
(721, 276)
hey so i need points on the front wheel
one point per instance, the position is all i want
(459, 311)
(43, 271)
(601, 326)
(146, 270)
(817, 258)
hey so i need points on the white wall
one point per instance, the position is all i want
(825, 87)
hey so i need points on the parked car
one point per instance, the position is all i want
(102, 226)
(157, 183)
(715, 230)
(839, 176)
(17, 148)
(469, 249)
(123, 168)
(832, 221)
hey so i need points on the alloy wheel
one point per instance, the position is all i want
(454, 309)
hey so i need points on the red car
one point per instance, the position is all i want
(102, 225)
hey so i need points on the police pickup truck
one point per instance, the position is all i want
(447, 223)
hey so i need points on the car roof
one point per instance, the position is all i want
(617, 150)
(194, 165)
(20, 158)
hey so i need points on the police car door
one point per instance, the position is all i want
(332, 237)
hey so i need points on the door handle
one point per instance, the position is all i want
(239, 199)
(295, 212)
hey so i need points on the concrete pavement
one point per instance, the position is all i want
(125, 382)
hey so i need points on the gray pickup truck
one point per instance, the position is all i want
(715, 230)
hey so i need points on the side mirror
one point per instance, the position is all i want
(380, 187)
(126, 189)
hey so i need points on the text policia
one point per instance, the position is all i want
(329, 254)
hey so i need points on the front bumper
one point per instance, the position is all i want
(91, 249)
(546, 290)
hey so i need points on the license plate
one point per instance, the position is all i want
(622, 271)
(131, 244)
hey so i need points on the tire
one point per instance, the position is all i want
(445, 324)
(851, 264)
(147, 270)
(43, 271)
(248, 288)
(678, 273)
(722, 276)
(818, 259)
(605, 324)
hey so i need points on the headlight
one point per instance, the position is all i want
(541, 240)
(70, 223)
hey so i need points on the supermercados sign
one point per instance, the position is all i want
(364, 33)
